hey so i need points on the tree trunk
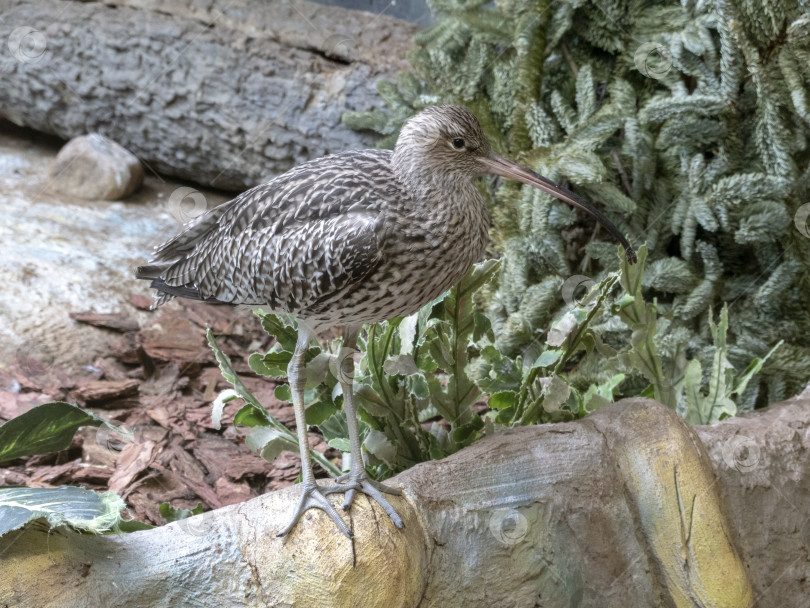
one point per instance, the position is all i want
(225, 94)
(624, 508)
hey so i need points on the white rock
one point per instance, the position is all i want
(94, 167)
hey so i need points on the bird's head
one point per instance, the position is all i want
(444, 141)
(447, 141)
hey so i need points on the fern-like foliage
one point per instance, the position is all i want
(687, 122)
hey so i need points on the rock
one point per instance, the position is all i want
(94, 167)
(225, 94)
(60, 254)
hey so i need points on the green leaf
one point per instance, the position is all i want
(319, 412)
(170, 513)
(419, 386)
(273, 364)
(380, 446)
(317, 369)
(600, 395)
(249, 416)
(230, 375)
(335, 427)
(466, 433)
(718, 401)
(482, 327)
(753, 368)
(271, 442)
(641, 317)
(340, 443)
(368, 399)
(548, 358)
(285, 334)
(434, 450)
(69, 506)
(477, 277)
(283, 392)
(694, 399)
(131, 525)
(562, 329)
(403, 365)
(502, 400)
(494, 372)
(555, 394)
(43, 429)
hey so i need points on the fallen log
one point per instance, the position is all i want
(224, 94)
(624, 508)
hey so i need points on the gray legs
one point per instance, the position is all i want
(357, 479)
(311, 495)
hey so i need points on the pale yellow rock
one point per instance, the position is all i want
(316, 566)
(671, 486)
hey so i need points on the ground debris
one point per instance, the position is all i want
(105, 391)
(155, 388)
(118, 321)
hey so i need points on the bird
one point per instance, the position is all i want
(348, 239)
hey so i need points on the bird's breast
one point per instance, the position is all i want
(430, 247)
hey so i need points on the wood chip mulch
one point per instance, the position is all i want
(156, 387)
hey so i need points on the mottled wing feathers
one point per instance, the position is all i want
(296, 242)
(193, 232)
(316, 263)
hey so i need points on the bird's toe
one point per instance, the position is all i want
(371, 489)
(313, 497)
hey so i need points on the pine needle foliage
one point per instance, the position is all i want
(687, 123)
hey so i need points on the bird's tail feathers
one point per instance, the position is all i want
(193, 233)
(164, 292)
(152, 271)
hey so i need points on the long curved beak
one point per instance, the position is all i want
(506, 168)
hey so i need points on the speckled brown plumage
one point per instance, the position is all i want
(345, 239)
(349, 239)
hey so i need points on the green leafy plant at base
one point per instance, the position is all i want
(421, 382)
(267, 434)
(718, 403)
(526, 392)
(411, 374)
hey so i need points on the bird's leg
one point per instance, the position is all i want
(357, 480)
(311, 495)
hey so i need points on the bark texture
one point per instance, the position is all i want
(225, 94)
(624, 508)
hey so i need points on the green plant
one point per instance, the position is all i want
(686, 122)
(717, 403)
(422, 381)
(48, 428)
(411, 371)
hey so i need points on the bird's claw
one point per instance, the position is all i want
(312, 496)
(374, 489)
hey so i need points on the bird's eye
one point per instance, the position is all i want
(458, 143)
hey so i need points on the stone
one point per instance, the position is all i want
(259, 90)
(94, 167)
(60, 254)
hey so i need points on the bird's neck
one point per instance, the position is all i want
(424, 182)
(445, 206)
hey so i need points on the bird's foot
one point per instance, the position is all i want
(313, 497)
(351, 483)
